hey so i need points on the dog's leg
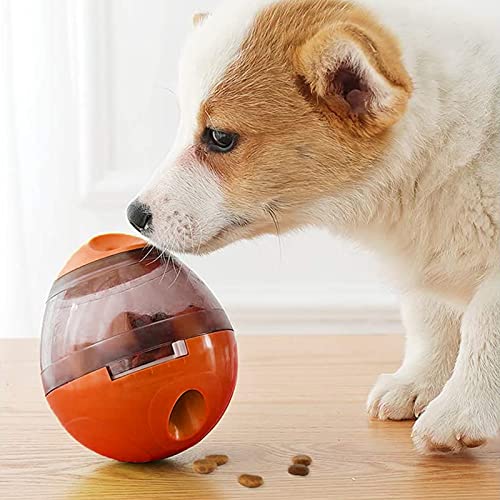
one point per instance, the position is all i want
(432, 341)
(467, 412)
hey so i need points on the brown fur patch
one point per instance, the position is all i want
(295, 146)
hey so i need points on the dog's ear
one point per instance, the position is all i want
(356, 74)
(199, 18)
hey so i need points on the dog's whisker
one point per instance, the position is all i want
(179, 267)
(158, 257)
(201, 230)
(148, 253)
(165, 270)
(274, 217)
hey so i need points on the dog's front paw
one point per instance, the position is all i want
(453, 423)
(402, 395)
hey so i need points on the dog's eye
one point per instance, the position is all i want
(219, 141)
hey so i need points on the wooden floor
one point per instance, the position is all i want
(295, 395)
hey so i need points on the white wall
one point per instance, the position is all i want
(89, 90)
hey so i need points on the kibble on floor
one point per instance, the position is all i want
(204, 466)
(218, 459)
(250, 481)
(302, 460)
(298, 470)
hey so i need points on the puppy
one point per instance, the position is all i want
(378, 119)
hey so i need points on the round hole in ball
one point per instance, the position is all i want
(187, 416)
(112, 242)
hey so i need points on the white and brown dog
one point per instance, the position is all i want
(380, 120)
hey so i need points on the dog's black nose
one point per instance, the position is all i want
(140, 216)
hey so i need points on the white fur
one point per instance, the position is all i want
(433, 338)
(468, 409)
(431, 209)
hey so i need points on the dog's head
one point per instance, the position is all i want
(282, 104)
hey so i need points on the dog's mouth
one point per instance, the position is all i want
(234, 224)
(241, 228)
(236, 229)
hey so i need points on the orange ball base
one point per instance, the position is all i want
(156, 412)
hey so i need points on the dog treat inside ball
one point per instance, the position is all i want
(204, 466)
(302, 460)
(298, 470)
(129, 334)
(250, 481)
(218, 459)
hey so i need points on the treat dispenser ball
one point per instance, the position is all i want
(138, 358)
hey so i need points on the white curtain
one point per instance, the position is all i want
(37, 118)
(14, 297)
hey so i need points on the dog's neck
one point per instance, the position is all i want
(413, 191)
(448, 126)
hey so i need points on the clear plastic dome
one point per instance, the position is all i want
(124, 312)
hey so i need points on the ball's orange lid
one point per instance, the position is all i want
(100, 247)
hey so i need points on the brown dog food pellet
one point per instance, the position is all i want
(139, 320)
(250, 481)
(161, 316)
(302, 460)
(298, 470)
(204, 466)
(218, 459)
